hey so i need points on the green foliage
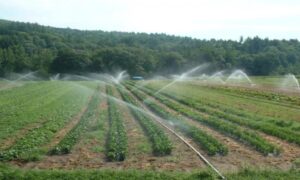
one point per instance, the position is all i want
(117, 138)
(25, 46)
(270, 97)
(161, 144)
(278, 130)
(250, 174)
(207, 142)
(71, 138)
(8, 172)
(228, 128)
(68, 61)
(58, 111)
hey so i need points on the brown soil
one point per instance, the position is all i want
(62, 133)
(182, 158)
(81, 156)
(139, 152)
(240, 155)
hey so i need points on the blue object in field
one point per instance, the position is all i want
(137, 78)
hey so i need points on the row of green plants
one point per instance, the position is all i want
(247, 94)
(17, 115)
(208, 143)
(245, 136)
(260, 95)
(13, 101)
(261, 124)
(25, 91)
(161, 145)
(28, 95)
(30, 147)
(117, 138)
(72, 137)
(33, 102)
(193, 93)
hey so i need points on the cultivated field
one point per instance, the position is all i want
(134, 130)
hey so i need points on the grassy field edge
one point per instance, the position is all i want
(11, 172)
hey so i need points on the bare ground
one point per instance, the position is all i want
(90, 151)
(82, 155)
(182, 157)
(240, 155)
(62, 133)
(139, 151)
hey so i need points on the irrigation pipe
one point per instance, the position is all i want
(190, 146)
(202, 157)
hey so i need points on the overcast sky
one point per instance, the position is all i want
(204, 19)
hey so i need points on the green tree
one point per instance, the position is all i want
(68, 61)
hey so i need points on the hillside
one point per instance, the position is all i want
(32, 47)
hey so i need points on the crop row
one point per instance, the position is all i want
(246, 136)
(261, 95)
(211, 145)
(16, 116)
(161, 144)
(71, 138)
(287, 124)
(29, 147)
(35, 101)
(117, 138)
(25, 91)
(19, 118)
(262, 125)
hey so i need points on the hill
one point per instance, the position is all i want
(32, 47)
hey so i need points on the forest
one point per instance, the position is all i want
(48, 50)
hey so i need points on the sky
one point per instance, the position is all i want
(202, 19)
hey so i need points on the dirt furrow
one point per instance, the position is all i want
(88, 152)
(182, 157)
(240, 155)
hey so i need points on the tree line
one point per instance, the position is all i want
(49, 50)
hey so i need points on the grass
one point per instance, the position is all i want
(9, 172)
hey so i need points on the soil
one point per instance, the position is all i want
(240, 155)
(139, 151)
(81, 156)
(89, 152)
(62, 133)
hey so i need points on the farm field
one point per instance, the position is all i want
(134, 129)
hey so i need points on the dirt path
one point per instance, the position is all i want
(240, 155)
